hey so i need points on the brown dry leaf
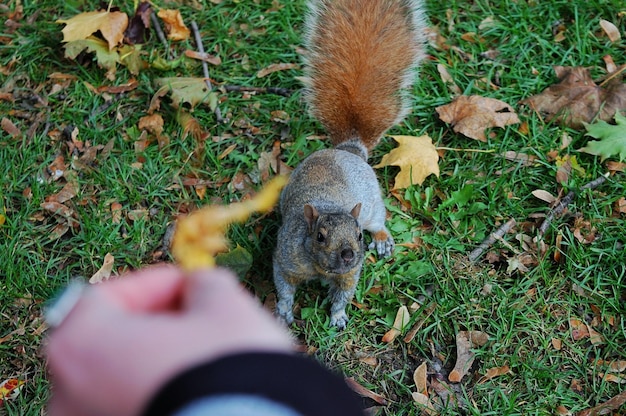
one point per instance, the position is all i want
(579, 329)
(613, 378)
(425, 403)
(10, 128)
(620, 206)
(607, 407)
(112, 25)
(417, 158)
(275, 68)
(105, 271)
(465, 341)
(611, 30)
(523, 158)
(471, 115)
(365, 392)
(614, 167)
(562, 411)
(420, 378)
(69, 191)
(557, 344)
(544, 195)
(495, 372)
(174, 25)
(212, 59)
(448, 80)
(577, 99)
(116, 212)
(153, 123)
(399, 323)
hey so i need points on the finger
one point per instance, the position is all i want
(153, 288)
(210, 289)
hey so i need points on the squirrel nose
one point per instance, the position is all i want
(347, 254)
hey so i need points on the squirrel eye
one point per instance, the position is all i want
(360, 236)
(320, 238)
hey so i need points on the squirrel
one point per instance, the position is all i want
(361, 58)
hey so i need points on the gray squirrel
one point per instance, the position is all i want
(361, 57)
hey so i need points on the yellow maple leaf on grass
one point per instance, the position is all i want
(112, 25)
(202, 234)
(417, 158)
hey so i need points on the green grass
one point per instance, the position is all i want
(447, 216)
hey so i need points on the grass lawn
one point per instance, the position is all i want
(535, 309)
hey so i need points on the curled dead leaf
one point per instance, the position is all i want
(399, 323)
(420, 378)
(174, 24)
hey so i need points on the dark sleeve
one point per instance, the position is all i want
(295, 381)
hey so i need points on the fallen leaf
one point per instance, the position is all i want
(612, 378)
(612, 138)
(174, 25)
(424, 402)
(578, 328)
(465, 341)
(112, 25)
(420, 378)
(577, 99)
(557, 344)
(365, 392)
(494, 372)
(9, 389)
(523, 158)
(192, 91)
(544, 195)
(10, 128)
(105, 271)
(106, 58)
(605, 408)
(399, 323)
(471, 115)
(562, 411)
(417, 158)
(212, 59)
(611, 30)
(139, 24)
(275, 68)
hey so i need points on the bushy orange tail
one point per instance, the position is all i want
(361, 57)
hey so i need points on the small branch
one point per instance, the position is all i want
(285, 92)
(205, 66)
(498, 234)
(563, 203)
(465, 150)
(160, 34)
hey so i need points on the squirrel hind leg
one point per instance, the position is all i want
(383, 243)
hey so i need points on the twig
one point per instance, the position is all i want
(465, 150)
(496, 235)
(285, 92)
(160, 34)
(205, 66)
(563, 203)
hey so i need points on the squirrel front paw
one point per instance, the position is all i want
(339, 319)
(284, 313)
(383, 243)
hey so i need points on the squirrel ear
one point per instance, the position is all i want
(356, 211)
(310, 215)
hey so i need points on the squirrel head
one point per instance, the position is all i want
(334, 241)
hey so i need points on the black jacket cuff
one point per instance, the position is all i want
(295, 381)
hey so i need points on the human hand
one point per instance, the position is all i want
(125, 338)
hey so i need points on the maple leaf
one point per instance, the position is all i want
(112, 25)
(176, 29)
(417, 158)
(612, 138)
(105, 57)
(576, 99)
(472, 114)
(185, 90)
(139, 23)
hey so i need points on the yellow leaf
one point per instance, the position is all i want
(420, 379)
(112, 25)
(176, 29)
(105, 271)
(417, 158)
(202, 234)
(106, 58)
(184, 90)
